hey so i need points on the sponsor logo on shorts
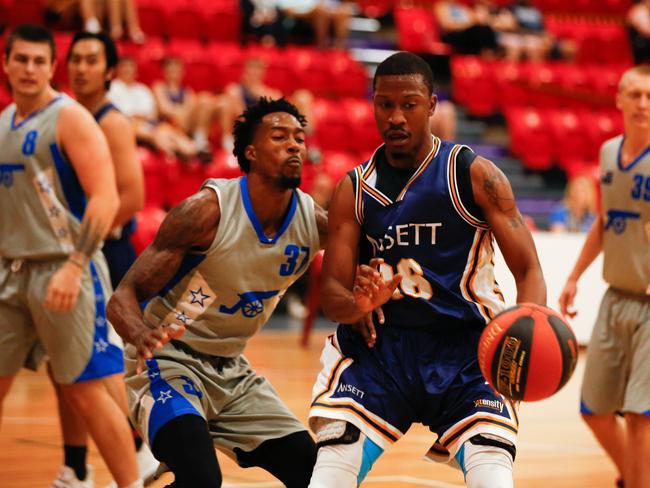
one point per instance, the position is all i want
(491, 404)
(345, 388)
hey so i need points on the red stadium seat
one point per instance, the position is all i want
(473, 85)
(222, 20)
(570, 146)
(223, 166)
(601, 126)
(154, 169)
(153, 18)
(418, 32)
(26, 12)
(364, 134)
(337, 163)
(529, 137)
(148, 222)
(511, 86)
(185, 20)
(183, 180)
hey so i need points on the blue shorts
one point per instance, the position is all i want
(411, 375)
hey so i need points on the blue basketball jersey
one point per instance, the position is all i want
(427, 234)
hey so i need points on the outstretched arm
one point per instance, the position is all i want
(191, 225)
(493, 193)
(343, 299)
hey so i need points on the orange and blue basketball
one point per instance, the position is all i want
(527, 352)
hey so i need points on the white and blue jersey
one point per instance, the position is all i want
(431, 234)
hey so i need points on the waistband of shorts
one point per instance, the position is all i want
(216, 361)
(630, 294)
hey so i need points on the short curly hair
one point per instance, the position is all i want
(247, 123)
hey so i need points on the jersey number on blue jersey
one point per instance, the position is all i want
(293, 254)
(413, 283)
(29, 144)
(641, 187)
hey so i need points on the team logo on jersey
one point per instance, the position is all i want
(406, 235)
(190, 388)
(250, 303)
(617, 220)
(7, 171)
(491, 404)
(607, 178)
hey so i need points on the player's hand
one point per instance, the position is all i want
(147, 340)
(63, 288)
(566, 299)
(370, 290)
(366, 327)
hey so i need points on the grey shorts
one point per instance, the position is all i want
(241, 408)
(80, 344)
(617, 373)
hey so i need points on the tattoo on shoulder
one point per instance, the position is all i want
(89, 239)
(497, 190)
(190, 223)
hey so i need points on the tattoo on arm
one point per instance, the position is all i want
(500, 195)
(191, 225)
(89, 239)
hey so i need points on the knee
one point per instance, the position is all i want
(84, 397)
(596, 422)
(345, 456)
(487, 462)
(290, 458)
(637, 427)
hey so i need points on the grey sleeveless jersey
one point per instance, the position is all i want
(41, 200)
(626, 217)
(225, 295)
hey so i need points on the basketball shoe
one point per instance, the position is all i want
(68, 479)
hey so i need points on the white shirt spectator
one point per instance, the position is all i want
(133, 99)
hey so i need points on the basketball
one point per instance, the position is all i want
(527, 352)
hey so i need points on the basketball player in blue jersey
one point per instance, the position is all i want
(423, 212)
(212, 277)
(57, 203)
(617, 372)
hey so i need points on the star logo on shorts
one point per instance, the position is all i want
(100, 322)
(101, 345)
(44, 186)
(153, 374)
(199, 297)
(182, 317)
(164, 396)
(54, 211)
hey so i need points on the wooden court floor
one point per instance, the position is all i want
(555, 449)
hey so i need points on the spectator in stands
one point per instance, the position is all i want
(467, 32)
(117, 10)
(638, 21)
(191, 112)
(136, 101)
(263, 20)
(238, 96)
(321, 15)
(531, 40)
(577, 211)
